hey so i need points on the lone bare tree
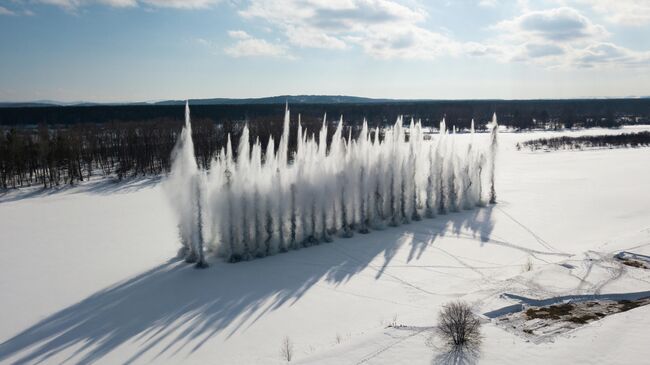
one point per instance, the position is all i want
(457, 325)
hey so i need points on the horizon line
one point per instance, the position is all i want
(54, 102)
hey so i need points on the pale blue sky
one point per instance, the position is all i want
(138, 50)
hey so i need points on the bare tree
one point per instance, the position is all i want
(457, 325)
(286, 350)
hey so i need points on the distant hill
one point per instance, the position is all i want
(53, 103)
(26, 104)
(291, 99)
(281, 99)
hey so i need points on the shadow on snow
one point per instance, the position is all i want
(175, 306)
(98, 185)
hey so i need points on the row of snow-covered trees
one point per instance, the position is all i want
(267, 200)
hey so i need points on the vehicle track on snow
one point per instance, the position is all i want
(386, 348)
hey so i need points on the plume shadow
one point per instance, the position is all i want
(173, 306)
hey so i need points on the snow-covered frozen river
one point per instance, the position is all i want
(87, 274)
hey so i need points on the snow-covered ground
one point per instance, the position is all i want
(87, 274)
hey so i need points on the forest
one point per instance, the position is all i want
(54, 145)
(625, 140)
(55, 155)
(519, 114)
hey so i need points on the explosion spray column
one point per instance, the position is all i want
(493, 155)
(184, 190)
(198, 239)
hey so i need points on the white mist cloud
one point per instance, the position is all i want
(560, 37)
(5, 11)
(604, 54)
(622, 12)
(75, 4)
(178, 4)
(249, 46)
(488, 3)
(558, 25)
(387, 29)
(381, 28)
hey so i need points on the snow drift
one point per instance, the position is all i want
(264, 201)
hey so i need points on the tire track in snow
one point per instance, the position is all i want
(386, 348)
(540, 240)
(385, 273)
(516, 247)
(370, 297)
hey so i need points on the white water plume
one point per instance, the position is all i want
(261, 202)
(493, 155)
(184, 189)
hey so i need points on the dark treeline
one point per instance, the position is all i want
(52, 145)
(55, 155)
(631, 140)
(523, 114)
